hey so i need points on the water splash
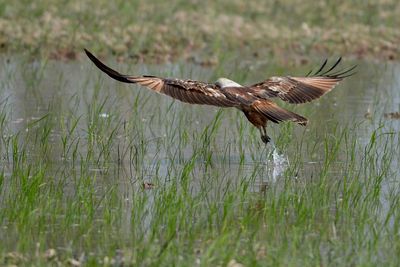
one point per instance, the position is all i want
(278, 164)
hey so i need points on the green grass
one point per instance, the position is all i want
(76, 151)
(289, 31)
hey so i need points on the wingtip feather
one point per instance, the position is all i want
(109, 71)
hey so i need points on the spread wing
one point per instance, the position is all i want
(188, 91)
(302, 89)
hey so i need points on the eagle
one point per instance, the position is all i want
(255, 101)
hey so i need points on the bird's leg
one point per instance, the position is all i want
(264, 137)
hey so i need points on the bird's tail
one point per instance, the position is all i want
(277, 114)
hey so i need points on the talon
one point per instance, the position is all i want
(265, 139)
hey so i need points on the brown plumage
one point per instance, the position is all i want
(254, 100)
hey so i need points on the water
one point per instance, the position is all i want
(30, 90)
(75, 121)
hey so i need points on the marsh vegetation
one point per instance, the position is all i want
(94, 172)
(289, 31)
(103, 172)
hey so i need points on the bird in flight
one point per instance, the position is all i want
(255, 101)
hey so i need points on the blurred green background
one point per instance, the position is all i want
(200, 31)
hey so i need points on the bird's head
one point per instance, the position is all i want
(224, 82)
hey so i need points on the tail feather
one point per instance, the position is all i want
(277, 114)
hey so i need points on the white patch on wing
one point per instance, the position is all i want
(274, 88)
(213, 92)
(155, 84)
(320, 82)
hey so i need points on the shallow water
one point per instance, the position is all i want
(128, 136)
(31, 90)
